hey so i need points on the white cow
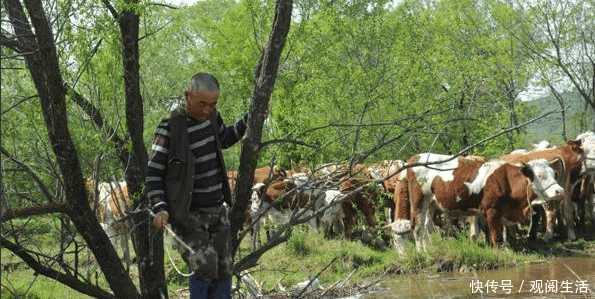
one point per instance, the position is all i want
(588, 171)
(331, 222)
(588, 145)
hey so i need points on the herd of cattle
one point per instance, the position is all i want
(428, 191)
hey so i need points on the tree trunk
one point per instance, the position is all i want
(42, 62)
(563, 114)
(265, 80)
(148, 243)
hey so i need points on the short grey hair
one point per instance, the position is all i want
(203, 82)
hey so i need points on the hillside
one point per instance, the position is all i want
(550, 128)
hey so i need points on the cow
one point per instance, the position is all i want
(360, 195)
(584, 193)
(508, 192)
(299, 192)
(332, 220)
(261, 175)
(566, 161)
(110, 202)
(543, 144)
(386, 171)
(337, 172)
(400, 225)
(232, 177)
(264, 174)
(519, 151)
(440, 185)
(588, 145)
(276, 201)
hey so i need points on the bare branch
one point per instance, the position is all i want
(64, 278)
(86, 62)
(299, 295)
(163, 5)
(155, 31)
(286, 140)
(18, 103)
(97, 118)
(42, 187)
(49, 208)
(111, 9)
(11, 43)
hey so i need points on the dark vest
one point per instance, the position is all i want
(180, 167)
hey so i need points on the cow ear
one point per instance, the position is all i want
(527, 171)
(557, 165)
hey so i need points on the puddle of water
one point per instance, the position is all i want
(553, 279)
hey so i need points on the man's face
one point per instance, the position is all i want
(201, 104)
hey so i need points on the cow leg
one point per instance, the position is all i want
(537, 219)
(367, 208)
(568, 217)
(338, 226)
(473, 227)
(580, 213)
(418, 213)
(348, 218)
(550, 221)
(450, 224)
(255, 234)
(494, 225)
(588, 196)
(431, 210)
(123, 237)
(510, 233)
(312, 222)
(422, 232)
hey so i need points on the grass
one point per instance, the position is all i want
(307, 253)
(304, 255)
(24, 284)
(454, 253)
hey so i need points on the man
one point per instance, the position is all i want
(187, 185)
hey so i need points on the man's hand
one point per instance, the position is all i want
(160, 219)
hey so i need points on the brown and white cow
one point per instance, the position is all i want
(439, 185)
(386, 171)
(360, 195)
(281, 197)
(567, 161)
(508, 192)
(277, 201)
(264, 174)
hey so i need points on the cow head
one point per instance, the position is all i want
(257, 192)
(299, 179)
(543, 179)
(588, 145)
(575, 147)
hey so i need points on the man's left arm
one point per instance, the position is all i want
(229, 135)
